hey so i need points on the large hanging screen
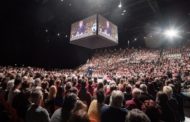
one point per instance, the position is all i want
(107, 29)
(84, 28)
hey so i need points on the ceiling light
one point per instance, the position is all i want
(120, 5)
(171, 33)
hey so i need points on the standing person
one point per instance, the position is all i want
(79, 116)
(134, 102)
(108, 30)
(63, 114)
(167, 114)
(49, 103)
(172, 102)
(84, 95)
(81, 28)
(96, 105)
(90, 70)
(15, 90)
(114, 112)
(177, 95)
(90, 88)
(36, 113)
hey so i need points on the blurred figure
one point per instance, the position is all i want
(81, 28)
(96, 105)
(15, 90)
(84, 95)
(63, 114)
(79, 116)
(49, 104)
(172, 102)
(134, 102)
(58, 101)
(167, 114)
(108, 30)
(21, 103)
(136, 115)
(36, 113)
(114, 112)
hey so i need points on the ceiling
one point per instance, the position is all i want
(37, 31)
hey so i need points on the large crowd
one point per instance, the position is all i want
(126, 85)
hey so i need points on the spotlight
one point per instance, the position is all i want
(120, 5)
(171, 33)
(124, 11)
(58, 34)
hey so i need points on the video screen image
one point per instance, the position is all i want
(107, 29)
(83, 28)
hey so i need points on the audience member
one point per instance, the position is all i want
(36, 113)
(114, 112)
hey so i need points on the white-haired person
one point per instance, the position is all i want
(114, 112)
(134, 102)
(36, 113)
(172, 102)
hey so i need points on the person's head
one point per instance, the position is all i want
(36, 96)
(52, 92)
(68, 105)
(135, 115)
(128, 89)
(25, 84)
(79, 106)
(68, 86)
(116, 99)
(37, 82)
(74, 81)
(168, 91)
(100, 96)
(95, 79)
(44, 85)
(69, 101)
(60, 92)
(113, 86)
(17, 82)
(74, 90)
(100, 85)
(161, 98)
(79, 116)
(58, 83)
(136, 93)
(143, 87)
(90, 82)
